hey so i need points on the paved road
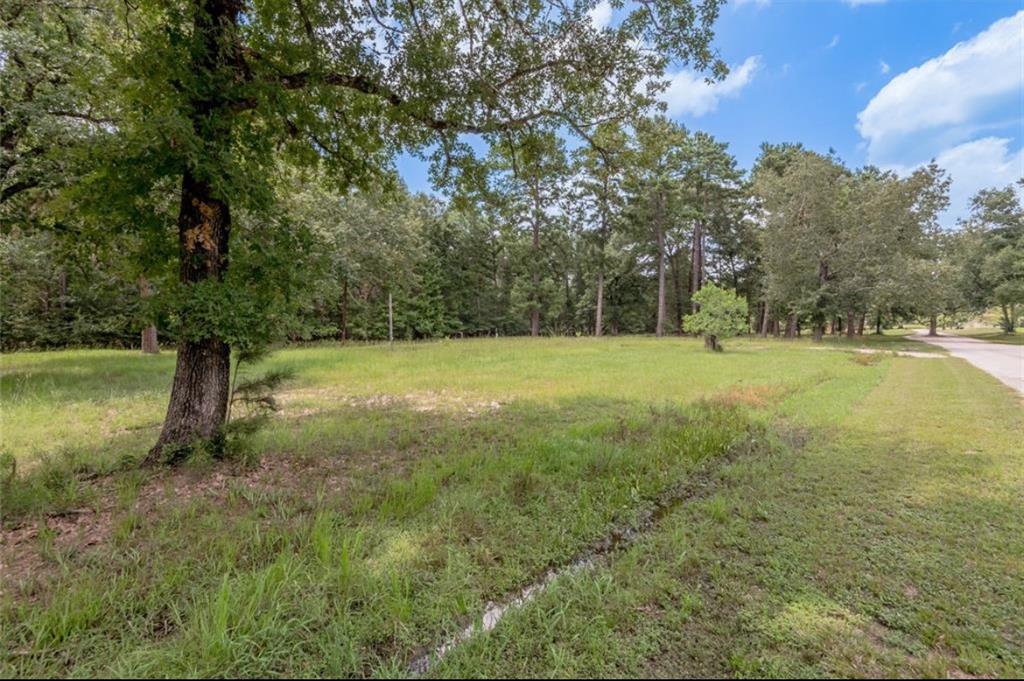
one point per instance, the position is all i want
(1005, 362)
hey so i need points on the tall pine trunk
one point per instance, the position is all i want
(851, 323)
(659, 235)
(343, 322)
(535, 277)
(599, 315)
(391, 319)
(765, 320)
(150, 343)
(677, 289)
(697, 262)
(199, 393)
(791, 325)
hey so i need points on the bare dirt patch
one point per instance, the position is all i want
(34, 549)
(755, 396)
(311, 401)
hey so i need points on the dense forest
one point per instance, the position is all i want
(569, 243)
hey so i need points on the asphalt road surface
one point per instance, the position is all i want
(1005, 362)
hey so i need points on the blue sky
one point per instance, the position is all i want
(894, 83)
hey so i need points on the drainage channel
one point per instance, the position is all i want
(692, 490)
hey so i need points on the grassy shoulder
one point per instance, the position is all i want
(403, 488)
(991, 335)
(888, 545)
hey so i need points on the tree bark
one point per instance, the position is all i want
(343, 330)
(535, 277)
(851, 323)
(860, 324)
(765, 321)
(819, 332)
(933, 326)
(1009, 321)
(711, 343)
(791, 326)
(697, 262)
(150, 343)
(199, 393)
(659, 234)
(599, 314)
(677, 289)
(391, 320)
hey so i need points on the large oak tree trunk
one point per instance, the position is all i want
(1009, 320)
(199, 393)
(932, 326)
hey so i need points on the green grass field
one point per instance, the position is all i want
(834, 514)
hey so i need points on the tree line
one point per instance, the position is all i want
(615, 240)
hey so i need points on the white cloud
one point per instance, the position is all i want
(884, 67)
(987, 162)
(689, 93)
(601, 14)
(972, 166)
(949, 90)
(941, 108)
(834, 41)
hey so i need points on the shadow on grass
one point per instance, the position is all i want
(83, 375)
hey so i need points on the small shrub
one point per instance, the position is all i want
(722, 314)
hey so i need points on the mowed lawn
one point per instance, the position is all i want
(992, 335)
(832, 513)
